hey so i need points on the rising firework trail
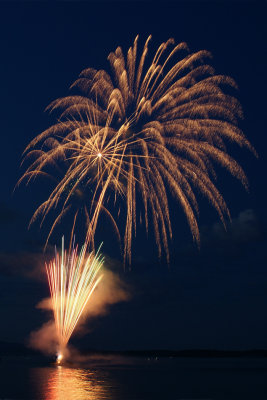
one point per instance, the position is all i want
(137, 135)
(72, 278)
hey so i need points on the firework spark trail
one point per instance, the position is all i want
(142, 131)
(72, 278)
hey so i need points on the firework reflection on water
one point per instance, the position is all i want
(64, 383)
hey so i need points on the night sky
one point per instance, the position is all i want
(215, 297)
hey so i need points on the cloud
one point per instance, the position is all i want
(245, 228)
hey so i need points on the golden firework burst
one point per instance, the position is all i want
(145, 130)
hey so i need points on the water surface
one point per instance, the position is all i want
(137, 379)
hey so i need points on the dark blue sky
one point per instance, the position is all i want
(212, 298)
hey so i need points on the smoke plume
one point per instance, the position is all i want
(110, 290)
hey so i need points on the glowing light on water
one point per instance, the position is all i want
(65, 383)
(59, 358)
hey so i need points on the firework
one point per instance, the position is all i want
(72, 278)
(143, 131)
